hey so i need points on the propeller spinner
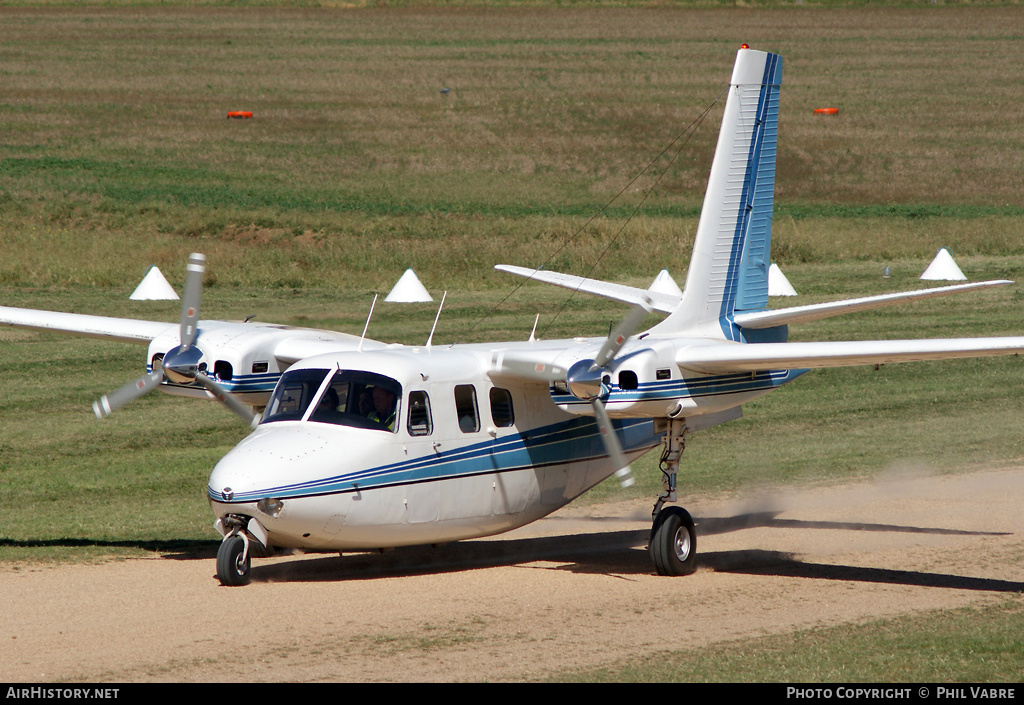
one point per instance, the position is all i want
(585, 380)
(181, 364)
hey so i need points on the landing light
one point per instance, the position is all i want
(270, 507)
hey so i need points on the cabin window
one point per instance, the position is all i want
(419, 423)
(501, 407)
(351, 398)
(466, 409)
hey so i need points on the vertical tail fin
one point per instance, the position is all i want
(731, 253)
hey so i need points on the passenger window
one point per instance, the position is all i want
(465, 408)
(501, 407)
(419, 414)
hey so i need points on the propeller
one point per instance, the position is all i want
(181, 364)
(585, 380)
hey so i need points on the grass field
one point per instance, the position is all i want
(972, 645)
(116, 154)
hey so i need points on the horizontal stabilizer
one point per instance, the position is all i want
(666, 303)
(659, 301)
(714, 357)
(814, 312)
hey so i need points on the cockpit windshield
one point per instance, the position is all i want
(342, 397)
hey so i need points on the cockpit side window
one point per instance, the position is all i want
(292, 395)
(466, 408)
(351, 398)
(419, 422)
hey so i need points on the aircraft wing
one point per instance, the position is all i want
(126, 330)
(714, 357)
(288, 344)
(665, 303)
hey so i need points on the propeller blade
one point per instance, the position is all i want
(129, 392)
(190, 301)
(611, 443)
(623, 332)
(240, 409)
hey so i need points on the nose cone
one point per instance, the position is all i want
(181, 364)
(290, 459)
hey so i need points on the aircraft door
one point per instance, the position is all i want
(512, 490)
(421, 447)
(467, 443)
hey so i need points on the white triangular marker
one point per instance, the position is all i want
(408, 289)
(778, 285)
(153, 287)
(665, 284)
(943, 268)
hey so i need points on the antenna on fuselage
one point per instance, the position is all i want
(533, 333)
(436, 318)
(363, 336)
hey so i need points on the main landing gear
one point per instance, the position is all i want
(673, 543)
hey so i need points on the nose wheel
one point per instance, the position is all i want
(234, 561)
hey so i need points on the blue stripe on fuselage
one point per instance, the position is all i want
(239, 384)
(571, 441)
(691, 387)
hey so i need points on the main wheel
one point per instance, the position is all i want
(233, 562)
(673, 546)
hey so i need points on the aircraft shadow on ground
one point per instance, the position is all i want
(618, 553)
(757, 562)
(182, 550)
(624, 554)
(762, 562)
(609, 552)
(709, 526)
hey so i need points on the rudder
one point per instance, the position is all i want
(732, 250)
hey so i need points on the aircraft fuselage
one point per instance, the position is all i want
(467, 453)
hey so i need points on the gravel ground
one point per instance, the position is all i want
(573, 590)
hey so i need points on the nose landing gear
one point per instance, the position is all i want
(234, 557)
(233, 560)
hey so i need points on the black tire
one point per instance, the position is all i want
(673, 546)
(232, 569)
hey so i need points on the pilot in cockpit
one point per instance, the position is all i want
(383, 408)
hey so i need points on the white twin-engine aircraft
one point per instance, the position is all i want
(362, 445)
